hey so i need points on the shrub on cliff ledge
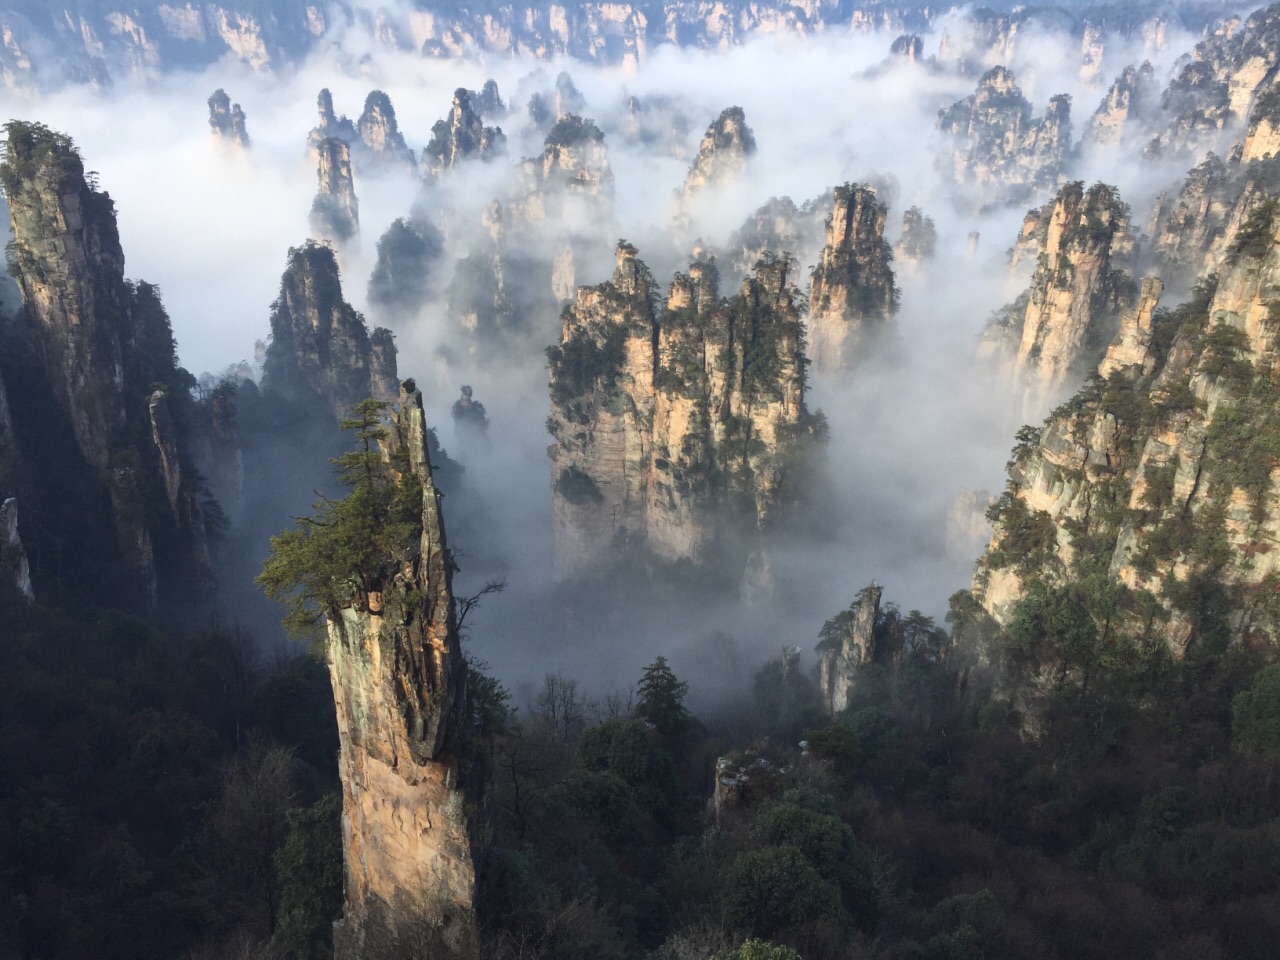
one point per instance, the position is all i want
(344, 552)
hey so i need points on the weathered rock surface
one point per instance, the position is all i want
(722, 153)
(998, 144)
(909, 47)
(1129, 353)
(226, 119)
(380, 133)
(104, 342)
(320, 350)
(330, 126)
(1192, 230)
(335, 212)
(667, 433)
(852, 293)
(461, 136)
(1218, 88)
(399, 684)
(573, 168)
(1127, 104)
(843, 655)
(1263, 139)
(1056, 332)
(1161, 469)
(779, 227)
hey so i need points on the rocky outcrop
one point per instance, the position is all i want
(852, 293)
(722, 153)
(679, 429)
(335, 212)
(14, 569)
(320, 350)
(478, 299)
(399, 684)
(779, 227)
(104, 344)
(100, 41)
(469, 414)
(658, 123)
(330, 126)
(488, 102)
(1161, 471)
(1056, 332)
(1192, 230)
(461, 136)
(909, 47)
(1127, 104)
(380, 133)
(1218, 88)
(226, 119)
(574, 167)
(852, 646)
(548, 108)
(999, 147)
(409, 254)
(1129, 354)
(1263, 139)
(918, 240)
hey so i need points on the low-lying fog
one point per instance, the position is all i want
(211, 225)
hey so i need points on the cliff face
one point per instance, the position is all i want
(335, 212)
(1161, 479)
(852, 647)
(103, 343)
(722, 153)
(852, 293)
(1131, 99)
(460, 136)
(1000, 145)
(574, 166)
(320, 349)
(399, 684)
(380, 133)
(779, 227)
(226, 119)
(1056, 332)
(1219, 87)
(330, 126)
(681, 428)
(1191, 231)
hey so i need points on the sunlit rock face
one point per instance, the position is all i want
(1000, 149)
(1056, 332)
(380, 133)
(1218, 88)
(679, 424)
(321, 351)
(1125, 108)
(722, 154)
(461, 136)
(227, 120)
(852, 293)
(107, 352)
(335, 212)
(1159, 470)
(399, 682)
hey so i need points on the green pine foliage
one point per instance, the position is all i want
(348, 547)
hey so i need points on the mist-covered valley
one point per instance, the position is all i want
(605, 413)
